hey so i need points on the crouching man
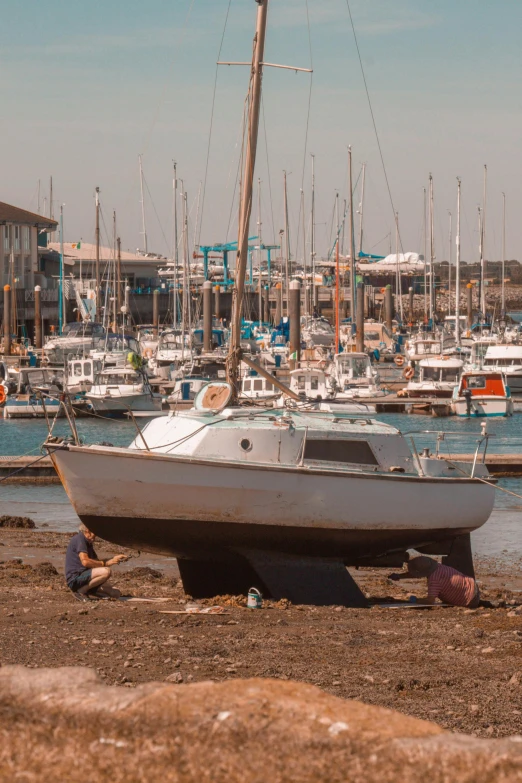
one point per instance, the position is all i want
(85, 573)
(445, 583)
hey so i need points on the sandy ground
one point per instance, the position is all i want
(459, 668)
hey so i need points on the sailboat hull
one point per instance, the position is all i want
(201, 509)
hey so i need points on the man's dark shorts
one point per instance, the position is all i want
(80, 581)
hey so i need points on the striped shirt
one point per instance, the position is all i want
(450, 586)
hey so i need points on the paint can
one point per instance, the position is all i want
(255, 599)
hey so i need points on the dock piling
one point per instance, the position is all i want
(155, 310)
(207, 316)
(294, 311)
(37, 317)
(279, 304)
(359, 319)
(388, 307)
(7, 320)
(217, 302)
(469, 293)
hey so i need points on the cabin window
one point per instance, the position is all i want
(247, 385)
(77, 370)
(301, 381)
(476, 382)
(359, 368)
(269, 386)
(314, 384)
(356, 452)
(258, 385)
(87, 369)
(449, 374)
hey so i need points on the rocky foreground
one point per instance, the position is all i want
(64, 724)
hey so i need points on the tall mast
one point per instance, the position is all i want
(337, 315)
(51, 211)
(114, 298)
(361, 209)
(97, 268)
(256, 77)
(61, 294)
(38, 199)
(144, 227)
(260, 242)
(306, 286)
(425, 258)
(450, 254)
(481, 256)
(432, 252)
(312, 235)
(483, 248)
(287, 244)
(175, 243)
(118, 276)
(186, 268)
(399, 286)
(457, 270)
(352, 242)
(503, 298)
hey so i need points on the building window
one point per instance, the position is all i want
(27, 267)
(6, 270)
(17, 237)
(26, 233)
(6, 238)
(18, 269)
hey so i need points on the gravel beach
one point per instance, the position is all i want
(459, 668)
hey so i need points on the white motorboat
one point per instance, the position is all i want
(437, 377)
(77, 339)
(422, 348)
(116, 391)
(113, 349)
(257, 389)
(482, 394)
(174, 349)
(508, 360)
(81, 374)
(354, 377)
(317, 391)
(317, 331)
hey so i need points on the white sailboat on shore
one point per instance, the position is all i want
(230, 491)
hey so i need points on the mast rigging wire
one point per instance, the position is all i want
(212, 121)
(373, 116)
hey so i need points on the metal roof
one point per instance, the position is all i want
(11, 214)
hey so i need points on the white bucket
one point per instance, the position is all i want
(255, 599)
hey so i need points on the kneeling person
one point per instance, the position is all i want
(84, 571)
(445, 583)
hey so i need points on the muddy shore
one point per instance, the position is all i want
(459, 668)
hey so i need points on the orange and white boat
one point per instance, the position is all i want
(482, 393)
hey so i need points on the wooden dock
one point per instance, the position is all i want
(43, 472)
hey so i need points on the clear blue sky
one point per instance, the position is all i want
(85, 87)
